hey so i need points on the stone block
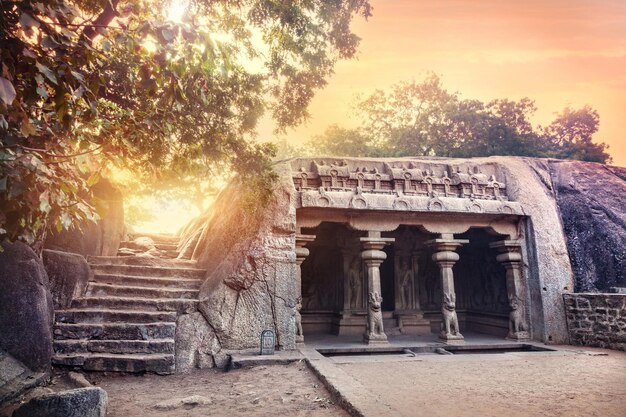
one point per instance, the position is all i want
(68, 273)
(81, 402)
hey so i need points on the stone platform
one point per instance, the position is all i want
(326, 342)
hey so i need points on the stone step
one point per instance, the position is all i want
(135, 281)
(114, 331)
(96, 289)
(157, 363)
(167, 246)
(157, 237)
(131, 303)
(140, 260)
(163, 237)
(150, 271)
(114, 346)
(110, 316)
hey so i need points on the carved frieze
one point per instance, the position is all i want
(402, 185)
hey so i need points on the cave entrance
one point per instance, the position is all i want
(335, 293)
(481, 288)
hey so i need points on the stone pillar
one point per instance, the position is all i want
(445, 257)
(373, 256)
(511, 257)
(301, 254)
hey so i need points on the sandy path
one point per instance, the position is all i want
(289, 390)
(512, 384)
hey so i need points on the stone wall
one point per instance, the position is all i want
(597, 319)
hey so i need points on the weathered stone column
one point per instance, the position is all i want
(373, 256)
(511, 257)
(445, 257)
(301, 254)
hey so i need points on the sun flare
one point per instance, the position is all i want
(176, 10)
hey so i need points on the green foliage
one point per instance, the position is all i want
(425, 119)
(91, 86)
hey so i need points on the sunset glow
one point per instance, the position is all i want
(559, 53)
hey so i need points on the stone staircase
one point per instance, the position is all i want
(126, 320)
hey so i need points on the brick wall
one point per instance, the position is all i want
(596, 319)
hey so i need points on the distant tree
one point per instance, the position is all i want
(90, 85)
(570, 136)
(425, 119)
(339, 141)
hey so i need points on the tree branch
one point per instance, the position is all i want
(104, 19)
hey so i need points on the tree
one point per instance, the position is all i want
(340, 141)
(570, 136)
(92, 85)
(425, 119)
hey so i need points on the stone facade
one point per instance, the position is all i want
(367, 246)
(597, 319)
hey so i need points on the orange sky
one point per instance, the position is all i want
(557, 52)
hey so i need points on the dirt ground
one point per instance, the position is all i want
(278, 390)
(512, 384)
(572, 382)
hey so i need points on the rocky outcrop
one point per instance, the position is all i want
(26, 310)
(68, 274)
(81, 402)
(97, 239)
(592, 202)
(251, 263)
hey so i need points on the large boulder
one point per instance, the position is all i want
(251, 263)
(69, 274)
(97, 239)
(26, 310)
(592, 202)
(81, 402)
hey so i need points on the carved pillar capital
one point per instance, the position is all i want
(301, 251)
(509, 252)
(510, 257)
(446, 243)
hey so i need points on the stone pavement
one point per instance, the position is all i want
(565, 381)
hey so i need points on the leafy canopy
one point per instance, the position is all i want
(425, 119)
(90, 86)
